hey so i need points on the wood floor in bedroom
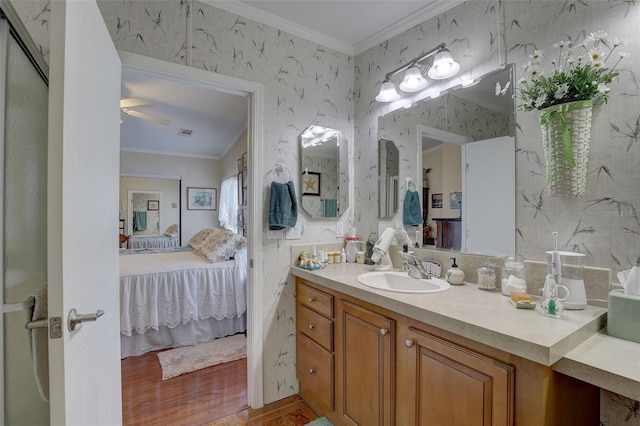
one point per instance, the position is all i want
(214, 396)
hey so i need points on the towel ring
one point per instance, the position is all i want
(280, 168)
(411, 182)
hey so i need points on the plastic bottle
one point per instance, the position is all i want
(343, 256)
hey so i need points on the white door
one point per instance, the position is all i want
(490, 219)
(84, 91)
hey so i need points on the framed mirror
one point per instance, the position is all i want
(388, 178)
(459, 139)
(324, 180)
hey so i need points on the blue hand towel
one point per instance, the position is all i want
(330, 207)
(283, 206)
(139, 221)
(412, 214)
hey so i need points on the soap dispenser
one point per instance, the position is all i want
(455, 276)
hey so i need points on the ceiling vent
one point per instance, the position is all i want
(185, 132)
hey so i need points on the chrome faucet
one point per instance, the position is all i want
(415, 267)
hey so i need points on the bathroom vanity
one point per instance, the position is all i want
(462, 356)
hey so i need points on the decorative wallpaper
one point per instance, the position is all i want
(306, 83)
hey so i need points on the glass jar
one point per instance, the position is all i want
(352, 249)
(513, 276)
(486, 278)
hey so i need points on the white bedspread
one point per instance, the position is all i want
(156, 241)
(168, 289)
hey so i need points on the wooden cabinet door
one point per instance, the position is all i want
(366, 357)
(455, 386)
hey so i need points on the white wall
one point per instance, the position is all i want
(229, 163)
(451, 176)
(195, 172)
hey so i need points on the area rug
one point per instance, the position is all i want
(322, 421)
(191, 358)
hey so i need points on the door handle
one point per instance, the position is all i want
(76, 319)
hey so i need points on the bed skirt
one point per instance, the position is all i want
(191, 333)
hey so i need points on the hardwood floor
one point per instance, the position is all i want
(214, 396)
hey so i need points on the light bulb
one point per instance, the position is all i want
(387, 92)
(413, 80)
(443, 66)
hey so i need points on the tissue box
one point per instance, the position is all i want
(623, 316)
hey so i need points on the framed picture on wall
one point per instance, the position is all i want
(202, 198)
(153, 205)
(311, 183)
(436, 201)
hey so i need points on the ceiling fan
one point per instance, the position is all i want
(127, 104)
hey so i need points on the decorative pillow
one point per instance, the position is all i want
(221, 245)
(171, 230)
(198, 240)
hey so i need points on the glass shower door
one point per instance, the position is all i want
(23, 125)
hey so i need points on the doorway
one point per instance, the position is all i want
(253, 92)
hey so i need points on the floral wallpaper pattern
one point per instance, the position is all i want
(306, 83)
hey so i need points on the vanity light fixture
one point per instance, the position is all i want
(443, 67)
(316, 135)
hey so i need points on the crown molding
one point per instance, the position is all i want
(282, 24)
(168, 153)
(430, 10)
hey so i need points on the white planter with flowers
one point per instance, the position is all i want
(565, 100)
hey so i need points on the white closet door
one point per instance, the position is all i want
(490, 196)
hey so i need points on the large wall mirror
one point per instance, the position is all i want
(460, 148)
(148, 206)
(324, 182)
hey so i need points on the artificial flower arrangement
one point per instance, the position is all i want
(565, 99)
(579, 73)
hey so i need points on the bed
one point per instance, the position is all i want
(169, 238)
(153, 241)
(174, 297)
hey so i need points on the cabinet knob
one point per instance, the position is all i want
(311, 299)
(384, 331)
(312, 370)
(408, 343)
(312, 326)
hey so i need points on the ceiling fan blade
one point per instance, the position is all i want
(146, 116)
(132, 102)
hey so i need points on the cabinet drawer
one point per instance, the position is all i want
(315, 299)
(315, 371)
(314, 325)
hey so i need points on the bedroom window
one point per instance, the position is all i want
(228, 210)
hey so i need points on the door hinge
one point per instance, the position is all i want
(55, 327)
(251, 263)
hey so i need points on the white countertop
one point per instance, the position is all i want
(576, 344)
(607, 362)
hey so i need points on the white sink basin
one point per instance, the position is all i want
(400, 282)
